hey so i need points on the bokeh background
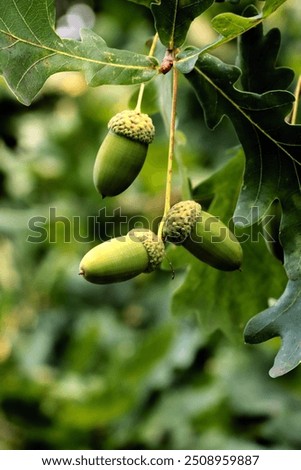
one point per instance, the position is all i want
(112, 367)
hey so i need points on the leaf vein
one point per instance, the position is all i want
(73, 56)
(31, 67)
(25, 22)
(246, 116)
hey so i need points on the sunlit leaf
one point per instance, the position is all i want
(31, 51)
(229, 26)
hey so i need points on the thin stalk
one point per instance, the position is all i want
(171, 150)
(142, 86)
(296, 103)
(140, 97)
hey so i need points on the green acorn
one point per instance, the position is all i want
(271, 230)
(203, 235)
(123, 151)
(122, 258)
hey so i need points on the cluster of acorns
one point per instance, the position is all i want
(141, 250)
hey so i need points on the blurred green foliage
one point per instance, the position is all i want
(110, 367)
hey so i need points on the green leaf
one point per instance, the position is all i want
(270, 6)
(230, 26)
(145, 3)
(173, 19)
(226, 300)
(284, 320)
(31, 51)
(260, 76)
(271, 146)
(272, 170)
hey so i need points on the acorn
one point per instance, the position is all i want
(123, 151)
(203, 235)
(123, 258)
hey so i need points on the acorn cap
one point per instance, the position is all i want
(134, 125)
(203, 235)
(154, 247)
(180, 220)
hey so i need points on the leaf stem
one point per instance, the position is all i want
(296, 103)
(140, 97)
(142, 86)
(171, 150)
